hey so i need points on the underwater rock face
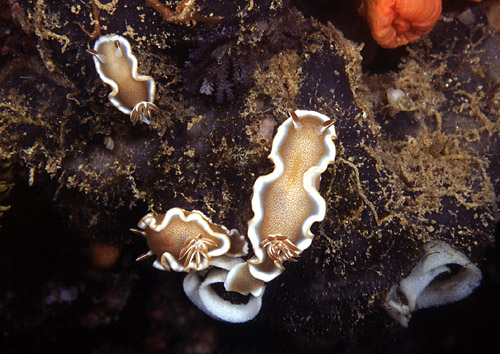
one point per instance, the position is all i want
(417, 168)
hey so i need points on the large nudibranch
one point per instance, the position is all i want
(187, 240)
(131, 93)
(286, 202)
(394, 23)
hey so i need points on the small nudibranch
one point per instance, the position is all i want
(131, 93)
(286, 202)
(394, 23)
(187, 240)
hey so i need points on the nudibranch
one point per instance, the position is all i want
(131, 93)
(198, 287)
(394, 23)
(286, 202)
(187, 240)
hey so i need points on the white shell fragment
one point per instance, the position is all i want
(131, 93)
(393, 95)
(443, 275)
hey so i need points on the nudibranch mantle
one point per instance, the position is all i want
(286, 202)
(131, 93)
(187, 240)
(200, 291)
